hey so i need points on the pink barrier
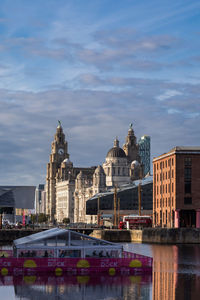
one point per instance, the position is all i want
(30, 265)
(6, 253)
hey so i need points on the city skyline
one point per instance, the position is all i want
(97, 66)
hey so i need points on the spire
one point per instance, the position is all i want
(59, 124)
(130, 147)
(116, 142)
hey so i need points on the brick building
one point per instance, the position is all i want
(176, 188)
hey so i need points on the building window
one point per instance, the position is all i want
(166, 216)
(172, 161)
(160, 177)
(166, 188)
(172, 187)
(165, 164)
(173, 218)
(172, 173)
(188, 161)
(188, 200)
(169, 175)
(169, 162)
(169, 217)
(169, 188)
(188, 187)
(187, 174)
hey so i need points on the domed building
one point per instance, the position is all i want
(68, 187)
(116, 166)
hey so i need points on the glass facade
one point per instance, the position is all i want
(145, 152)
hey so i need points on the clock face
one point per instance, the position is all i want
(60, 151)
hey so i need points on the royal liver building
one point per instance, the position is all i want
(68, 187)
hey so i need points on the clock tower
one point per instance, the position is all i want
(59, 151)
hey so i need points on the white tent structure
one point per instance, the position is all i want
(57, 242)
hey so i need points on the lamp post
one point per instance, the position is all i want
(115, 206)
(118, 206)
(1, 217)
(98, 211)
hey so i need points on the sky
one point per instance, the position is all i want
(96, 65)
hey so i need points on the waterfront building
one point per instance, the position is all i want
(144, 144)
(59, 152)
(116, 166)
(176, 192)
(38, 198)
(68, 188)
(16, 201)
(127, 202)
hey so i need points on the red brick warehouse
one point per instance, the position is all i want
(176, 188)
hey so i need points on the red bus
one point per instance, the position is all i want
(135, 221)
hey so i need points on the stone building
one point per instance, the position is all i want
(68, 187)
(116, 166)
(176, 192)
(59, 151)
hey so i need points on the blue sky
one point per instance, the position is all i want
(96, 66)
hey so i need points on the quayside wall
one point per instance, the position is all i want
(151, 235)
(147, 235)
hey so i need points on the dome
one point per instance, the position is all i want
(99, 170)
(67, 161)
(116, 152)
(135, 163)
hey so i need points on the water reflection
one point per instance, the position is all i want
(176, 272)
(80, 287)
(175, 276)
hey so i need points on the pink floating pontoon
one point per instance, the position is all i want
(64, 251)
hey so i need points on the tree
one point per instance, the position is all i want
(66, 220)
(42, 218)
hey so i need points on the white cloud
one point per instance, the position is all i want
(168, 94)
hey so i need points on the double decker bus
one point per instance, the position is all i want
(135, 222)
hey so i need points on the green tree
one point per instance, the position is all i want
(33, 219)
(42, 218)
(66, 220)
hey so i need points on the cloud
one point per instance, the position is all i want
(96, 67)
(168, 94)
(91, 119)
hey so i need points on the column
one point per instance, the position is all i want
(177, 218)
(198, 218)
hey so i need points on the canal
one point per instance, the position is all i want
(176, 275)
